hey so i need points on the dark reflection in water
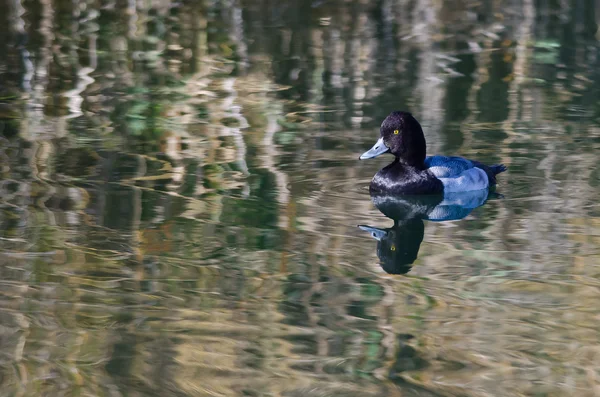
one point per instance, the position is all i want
(398, 246)
(179, 195)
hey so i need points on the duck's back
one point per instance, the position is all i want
(460, 174)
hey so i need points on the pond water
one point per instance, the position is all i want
(183, 212)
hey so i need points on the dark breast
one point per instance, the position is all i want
(400, 179)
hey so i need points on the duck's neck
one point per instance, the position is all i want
(413, 161)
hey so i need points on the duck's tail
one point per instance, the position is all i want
(498, 168)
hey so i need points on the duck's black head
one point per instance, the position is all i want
(401, 135)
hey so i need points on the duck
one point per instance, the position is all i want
(414, 173)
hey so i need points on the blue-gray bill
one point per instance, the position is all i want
(376, 150)
(376, 233)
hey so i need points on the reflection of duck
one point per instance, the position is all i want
(398, 246)
(413, 173)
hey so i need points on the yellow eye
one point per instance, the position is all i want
(393, 248)
(395, 132)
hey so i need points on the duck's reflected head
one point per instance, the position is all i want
(377, 234)
(397, 247)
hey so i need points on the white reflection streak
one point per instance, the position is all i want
(19, 27)
(281, 179)
(35, 124)
(523, 39)
(234, 111)
(75, 99)
(28, 66)
(238, 34)
(19, 24)
(431, 87)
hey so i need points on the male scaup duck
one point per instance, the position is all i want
(414, 173)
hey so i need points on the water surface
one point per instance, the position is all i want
(180, 195)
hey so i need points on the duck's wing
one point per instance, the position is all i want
(458, 174)
(447, 167)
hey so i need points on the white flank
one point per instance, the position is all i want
(472, 179)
